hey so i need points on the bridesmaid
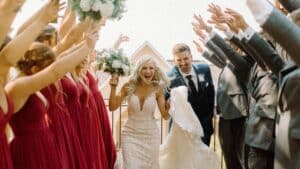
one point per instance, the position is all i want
(62, 126)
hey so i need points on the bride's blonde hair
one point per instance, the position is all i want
(159, 79)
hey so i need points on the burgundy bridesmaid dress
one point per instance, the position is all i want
(33, 146)
(93, 143)
(62, 126)
(104, 121)
(5, 157)
(76, 98)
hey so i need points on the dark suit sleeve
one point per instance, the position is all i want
(213, 59)
(285, 32)
(290, 5)
(266, 53)
(236, 59)
(217, 51)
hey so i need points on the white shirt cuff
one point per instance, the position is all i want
(240, 35)
(228, 33)
(248, 33)
(210, 36)
(261, 10)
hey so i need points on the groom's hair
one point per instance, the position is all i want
(181, 47)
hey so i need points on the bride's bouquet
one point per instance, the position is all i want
(96, 9)
(113, 61)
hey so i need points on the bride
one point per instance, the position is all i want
(140, 143)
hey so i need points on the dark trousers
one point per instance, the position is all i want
(231, 135)
(260, 159)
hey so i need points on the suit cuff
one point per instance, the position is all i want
(210, 36)
(229, 34)
(261, 10)
(248, 33)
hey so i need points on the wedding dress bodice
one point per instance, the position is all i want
(141, 111)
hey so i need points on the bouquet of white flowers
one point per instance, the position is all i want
(96, 9)
(113, 61)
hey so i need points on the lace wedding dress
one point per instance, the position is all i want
(183, 148)
(140, 136)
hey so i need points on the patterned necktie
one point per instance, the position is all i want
(191, 84)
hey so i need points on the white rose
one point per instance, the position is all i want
(96, 6)
(116, 64)
(107, 9)
(125, 69)
(85, 5)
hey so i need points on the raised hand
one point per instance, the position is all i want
(199, 32)
(200, 24)
(215, 10)
(50, 11)
(198, 46)
(237, 18)
(91, 37)
(122, 38)
(114, 79)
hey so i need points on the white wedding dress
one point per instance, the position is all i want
(140, 136)
(183, 148)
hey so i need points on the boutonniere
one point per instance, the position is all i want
(201, 78)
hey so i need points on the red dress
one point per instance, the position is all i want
(93, 143)
(33, 146)
(62, 126)
(104, 121)
(76, 98)
(5, 158)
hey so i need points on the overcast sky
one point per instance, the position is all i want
(161, 22)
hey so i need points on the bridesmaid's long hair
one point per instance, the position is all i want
(159, 79)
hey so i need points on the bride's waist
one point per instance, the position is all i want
(141, 123)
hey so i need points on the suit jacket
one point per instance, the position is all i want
(219, 54)
(203, 104)
(290, 5)
(263, 105)
(287, 148)
(285, 32)
(231, 97)
(232, 100)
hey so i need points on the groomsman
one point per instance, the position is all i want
(197, 78)
(287, 148)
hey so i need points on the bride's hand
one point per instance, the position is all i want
(114, 79)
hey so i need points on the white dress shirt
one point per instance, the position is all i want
(261, 10)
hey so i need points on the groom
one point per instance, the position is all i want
(198, 80)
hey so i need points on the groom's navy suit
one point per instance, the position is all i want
(202, 102)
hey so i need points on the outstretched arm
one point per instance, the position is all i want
(20, 89)
(9, 55)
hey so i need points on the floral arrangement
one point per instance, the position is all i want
(96, 9)
(113, 61)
